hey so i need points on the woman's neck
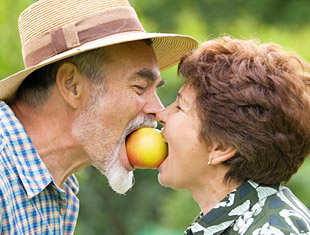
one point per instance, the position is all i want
(209, 192)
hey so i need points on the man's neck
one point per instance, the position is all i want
(50, 131)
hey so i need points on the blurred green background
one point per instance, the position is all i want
(150, 209)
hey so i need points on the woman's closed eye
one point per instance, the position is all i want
(178, 107)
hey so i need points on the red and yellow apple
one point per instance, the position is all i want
(146, 148)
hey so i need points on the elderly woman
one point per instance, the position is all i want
(238, 131)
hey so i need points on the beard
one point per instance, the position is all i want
(102, 147)
(121, 180)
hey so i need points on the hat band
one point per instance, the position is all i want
(73, 35)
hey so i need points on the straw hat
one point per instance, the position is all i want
(51, 30)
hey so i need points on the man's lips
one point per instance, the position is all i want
(123, 153)
(124, 158)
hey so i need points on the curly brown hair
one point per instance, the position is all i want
(254, 97)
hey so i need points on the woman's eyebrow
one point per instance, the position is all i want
(182, 97)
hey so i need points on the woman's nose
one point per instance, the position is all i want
(160, 116)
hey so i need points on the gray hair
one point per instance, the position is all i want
(36, 88)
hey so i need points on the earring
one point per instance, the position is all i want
(210, 162)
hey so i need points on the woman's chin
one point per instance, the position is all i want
(161, 172)
(168, 182)
(161, 180)
(164, 179)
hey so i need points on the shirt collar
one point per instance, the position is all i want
(30, 167)
(240, 200)
(73, 184)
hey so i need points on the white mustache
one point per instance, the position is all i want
(138, 122)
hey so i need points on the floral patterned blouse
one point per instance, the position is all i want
(255, 209)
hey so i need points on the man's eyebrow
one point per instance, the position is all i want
(150, 75)
(161, 83)
(147, 73)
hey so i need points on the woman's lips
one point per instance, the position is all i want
(163, 162)
(160, 167)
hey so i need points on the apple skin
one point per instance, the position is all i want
(146, 148)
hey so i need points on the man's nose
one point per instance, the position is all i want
(153, 105)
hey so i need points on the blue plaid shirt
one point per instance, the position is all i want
(30, 201)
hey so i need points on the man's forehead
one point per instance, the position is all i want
(134, 60)
(137, 53)
(134, 46)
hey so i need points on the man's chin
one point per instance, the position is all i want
(119, 177)
(121, 184)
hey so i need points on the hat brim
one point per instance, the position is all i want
(169, 48)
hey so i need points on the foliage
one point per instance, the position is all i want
(150, 208)
(10, 48)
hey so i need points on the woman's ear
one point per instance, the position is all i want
(220, 153)
(70, 84)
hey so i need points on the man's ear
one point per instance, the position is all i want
(70, 84)
(220, 153)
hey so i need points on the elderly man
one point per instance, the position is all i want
(91, 78)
